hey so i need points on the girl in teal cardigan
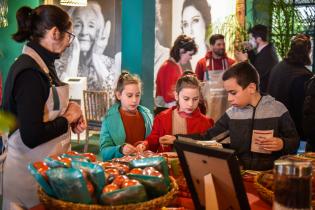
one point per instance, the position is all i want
(126, 123)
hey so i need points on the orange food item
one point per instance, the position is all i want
(156, 173)
(90, 187)
(110, 188)
(148, 170)
(106, 164)
(129, 183)
(42, 172)
(136, 171)
(55, 157)
(120, 179)
(112, 171)
(74, 153)
(40, 164)
(91, 156)
(67, 161)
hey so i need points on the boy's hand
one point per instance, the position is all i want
(167, 139)
(128, 149)
(272, 144)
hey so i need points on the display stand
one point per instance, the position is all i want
(76, 87)
(210, 194)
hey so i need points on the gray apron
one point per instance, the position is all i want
(213, 91)
(20, 188)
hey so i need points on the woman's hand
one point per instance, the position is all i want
(272, 144)
(128, 149)
(167, 139)
(73, 112)
(79, 126)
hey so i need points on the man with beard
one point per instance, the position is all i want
(215, 60)
(261, 53)
(210, 70)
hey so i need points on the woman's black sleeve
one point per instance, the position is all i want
(30, 94)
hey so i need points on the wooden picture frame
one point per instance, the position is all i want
(213, 176)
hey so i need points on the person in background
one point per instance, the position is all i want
(196, 23)
(184, 118)
(260, 53)
(215, 60)
(126, 123)
(287, 79)
(182, 51)
(210, 70)
(260, 128)
(39, 100)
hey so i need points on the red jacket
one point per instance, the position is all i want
(217, 64)
(166, 80)
(162, 125)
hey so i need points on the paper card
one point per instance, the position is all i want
(260, 134)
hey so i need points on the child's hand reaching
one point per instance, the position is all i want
(271, 144)
(128, 149)
(167, 139)
(141, 147)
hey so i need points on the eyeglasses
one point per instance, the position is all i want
(71, 36)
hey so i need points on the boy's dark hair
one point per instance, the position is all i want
(182, 42)
(259, 31)
(299, 52)
(244, 73)
(214, 38)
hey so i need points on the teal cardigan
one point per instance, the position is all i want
(113, 133)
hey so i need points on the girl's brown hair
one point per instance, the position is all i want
(126, 78)
(188, 80)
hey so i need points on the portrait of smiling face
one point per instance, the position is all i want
(85, 26)
(95, 52)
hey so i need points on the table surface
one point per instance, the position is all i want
(254, 200)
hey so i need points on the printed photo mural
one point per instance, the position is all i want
(96, 51)
(196, 18)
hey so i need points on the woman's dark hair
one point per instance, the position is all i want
(33, 23)
(126, 78)
(299, 53)
(188, 80)
(259, 30)
(244, 73)
(182, 42)
(203, 7)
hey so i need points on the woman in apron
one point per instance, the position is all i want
(39, 101)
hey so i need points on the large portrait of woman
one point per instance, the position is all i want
(95, 52)
(195, 18)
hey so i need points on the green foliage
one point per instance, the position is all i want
(286, 21)
(6, 121)
(234, 33)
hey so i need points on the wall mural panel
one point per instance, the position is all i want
(196, 18)
(96, 51)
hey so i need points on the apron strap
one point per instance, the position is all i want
(55, 98)
(33, 54)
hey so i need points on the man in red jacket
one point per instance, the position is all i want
(215, 59)
(210, 70)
